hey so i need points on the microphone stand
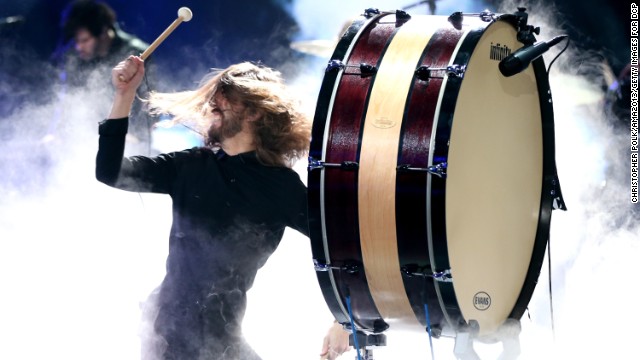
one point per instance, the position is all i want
(431, 3)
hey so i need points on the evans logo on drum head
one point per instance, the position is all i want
(481, 300)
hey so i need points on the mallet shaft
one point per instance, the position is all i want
(161, 38)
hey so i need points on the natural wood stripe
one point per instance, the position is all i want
(377, 171)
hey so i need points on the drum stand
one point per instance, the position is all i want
(508, 333)
(367, 342)
(463, 346)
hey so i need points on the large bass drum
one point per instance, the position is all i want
(431, 175)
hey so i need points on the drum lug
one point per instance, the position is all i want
(456, 20)
(412, 270)
(423, 73)
(402, 15)
(345, 165)
(351, 267)
(367, 69)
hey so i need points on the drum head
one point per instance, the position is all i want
(494, 182)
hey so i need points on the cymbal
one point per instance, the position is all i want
(575, 91)
(320, 47)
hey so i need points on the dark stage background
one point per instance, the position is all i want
(223, 32)
(220, 33)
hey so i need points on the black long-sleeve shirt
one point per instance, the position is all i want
(229, 214)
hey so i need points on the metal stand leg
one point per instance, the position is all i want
(367, 354)
(367, 343)
(463, 347)
(508, 334)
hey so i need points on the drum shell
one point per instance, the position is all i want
(420, 197)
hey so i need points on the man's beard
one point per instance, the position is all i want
(229, 127)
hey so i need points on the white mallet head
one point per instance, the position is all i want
(185, 13)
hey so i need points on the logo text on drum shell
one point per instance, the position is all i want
(481, 300)
(499, 52)
(384, 122)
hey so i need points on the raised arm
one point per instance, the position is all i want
(137, 173)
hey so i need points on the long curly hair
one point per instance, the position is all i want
(282, 132)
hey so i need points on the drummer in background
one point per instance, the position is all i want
(93, 39)
(92, 43)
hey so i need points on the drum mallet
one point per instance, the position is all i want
(184, 15)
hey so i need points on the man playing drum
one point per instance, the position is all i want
(231, 200)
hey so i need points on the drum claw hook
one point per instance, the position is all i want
(439, 170)
(371, 12)
(345, 165)
(334, 65)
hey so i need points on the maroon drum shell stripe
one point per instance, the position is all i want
(315, 152)
(411, 196)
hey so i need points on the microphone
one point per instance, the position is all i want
(520, 59)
